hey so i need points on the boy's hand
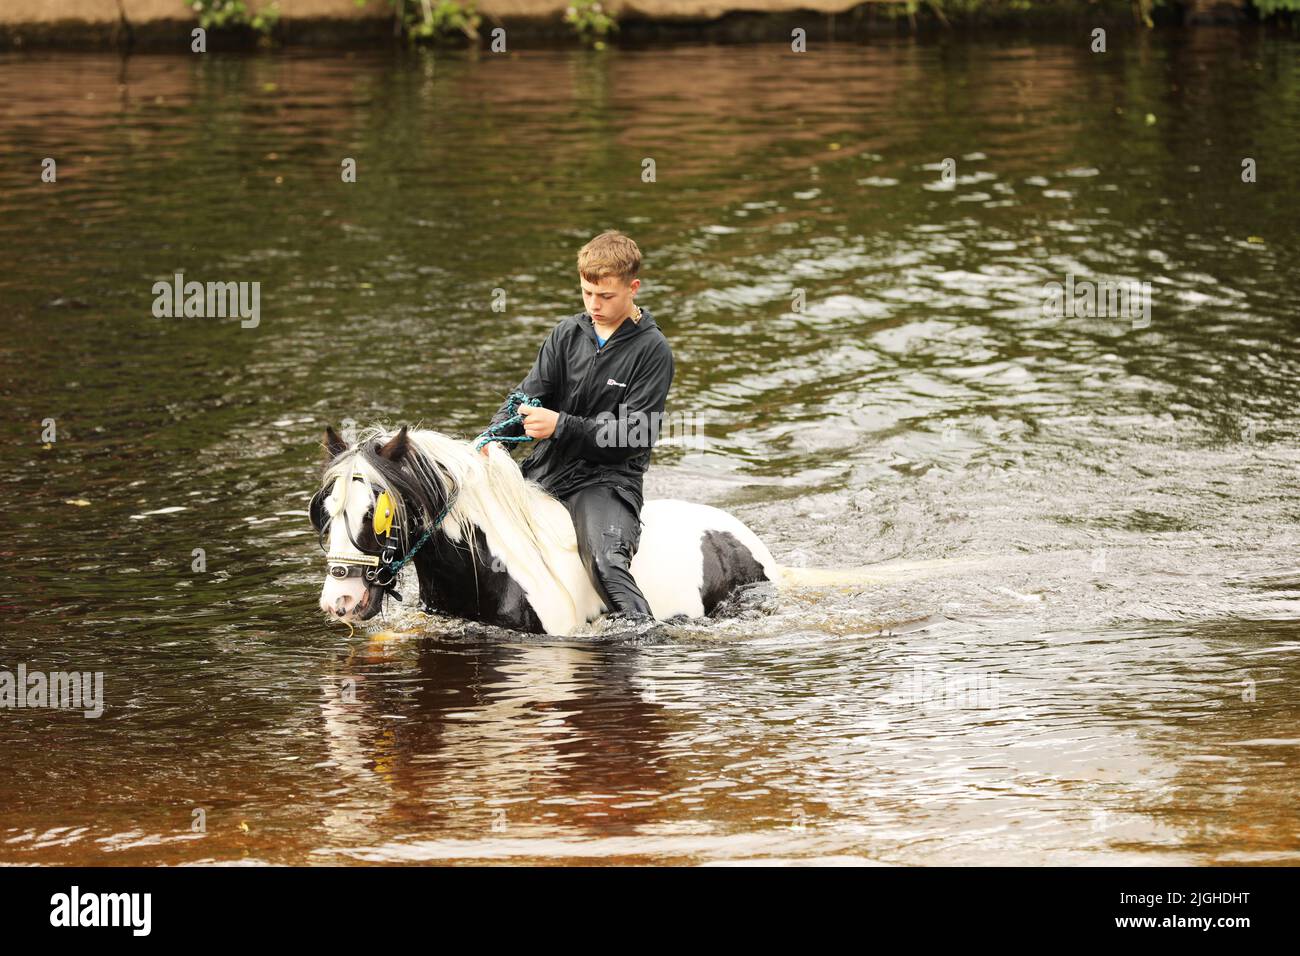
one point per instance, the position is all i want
(538, 423)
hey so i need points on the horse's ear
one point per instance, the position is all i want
(334, 445)
(397, 447)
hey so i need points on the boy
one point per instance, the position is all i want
(602, 377)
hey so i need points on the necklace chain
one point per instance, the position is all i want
(636, 314)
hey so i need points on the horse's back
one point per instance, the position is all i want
(693, 556)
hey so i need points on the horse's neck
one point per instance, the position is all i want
(461, 579)
(447, 572)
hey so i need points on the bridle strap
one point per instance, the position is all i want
(393, 567)
(350, 565)
(382, 571)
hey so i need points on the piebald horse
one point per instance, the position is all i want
(490, 546)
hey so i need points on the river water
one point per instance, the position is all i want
(1089, 646)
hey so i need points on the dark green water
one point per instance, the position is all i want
(1124, 499)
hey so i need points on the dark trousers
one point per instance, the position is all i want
(608, 534)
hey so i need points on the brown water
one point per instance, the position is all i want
(1108, 677)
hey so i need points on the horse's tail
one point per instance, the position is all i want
(869, 574)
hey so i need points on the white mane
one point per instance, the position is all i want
(529, 531)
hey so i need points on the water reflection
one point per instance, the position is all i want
(1095, 670)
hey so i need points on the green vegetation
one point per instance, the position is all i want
(227, 14)
(946, 11)
(1268, 8)
(433, 21)
(436, 21)
(590, 21)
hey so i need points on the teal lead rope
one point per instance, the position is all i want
(493, 432)
(394, 567)
(397, 566)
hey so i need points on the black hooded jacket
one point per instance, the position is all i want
(610, 401)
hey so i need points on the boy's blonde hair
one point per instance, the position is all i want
(609, 254)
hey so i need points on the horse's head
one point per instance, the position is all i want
(376, 500)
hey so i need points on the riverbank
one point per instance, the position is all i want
(168, 24)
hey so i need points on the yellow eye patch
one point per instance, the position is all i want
(384, 514)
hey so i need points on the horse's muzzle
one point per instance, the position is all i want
(346, 607)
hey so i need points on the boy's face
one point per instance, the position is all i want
(610, 299)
